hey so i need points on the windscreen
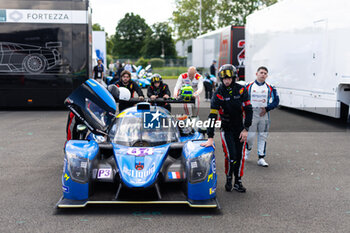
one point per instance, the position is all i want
(131, 131)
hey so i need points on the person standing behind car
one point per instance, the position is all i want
(125, 81)
(128, 66)
(264, 98)
(111, 68)
(158, 89)
(118, 73)
(193, 79)
(98, 70)
(209, 85)
(231, 101)
(213, 68)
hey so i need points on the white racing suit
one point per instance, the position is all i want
(262, 95)
(197, 85)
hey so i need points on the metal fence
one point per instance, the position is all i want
(178, 62)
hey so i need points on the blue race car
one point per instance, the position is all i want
(142, 77)
(143, 82)
(139, 156)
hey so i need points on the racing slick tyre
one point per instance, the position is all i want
(34, 63)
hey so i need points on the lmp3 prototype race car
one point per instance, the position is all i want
(143, 155)
(142, 76)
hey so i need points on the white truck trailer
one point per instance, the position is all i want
(225, 45)
(306, 47)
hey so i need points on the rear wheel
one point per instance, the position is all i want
(34, 63)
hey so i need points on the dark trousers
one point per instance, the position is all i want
(234, 159)
(208, 90)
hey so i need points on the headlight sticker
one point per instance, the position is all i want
(194, 164)
(83, 164)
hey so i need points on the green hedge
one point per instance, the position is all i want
(170, 77)
(170, 71)
(157, 62)
(142, 61)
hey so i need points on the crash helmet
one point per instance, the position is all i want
(227, 71)
(156, 78)
(186, 92)
(124, 94)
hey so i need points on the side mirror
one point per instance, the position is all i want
(114, 90)
(82, 130)
(81, 127)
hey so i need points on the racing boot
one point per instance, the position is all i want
(228, 185)
(238, 186)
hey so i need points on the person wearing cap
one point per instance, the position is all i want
(125, 81)
(195, 80)
(264, 98)
(213, 68)
(158, 89)
(231, 101)
(98, 70)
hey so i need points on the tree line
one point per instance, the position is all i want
(214, 13)
(133, 38)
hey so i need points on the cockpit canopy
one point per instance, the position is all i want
(144, 128)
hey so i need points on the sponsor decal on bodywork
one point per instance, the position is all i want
(140, 151)
(139, 174)
(174, 175)
(210, 177)
(104, 173)
(66, 177)
(212, 190)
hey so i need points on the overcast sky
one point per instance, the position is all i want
(108, 12)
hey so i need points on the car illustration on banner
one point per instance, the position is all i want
(29, 58)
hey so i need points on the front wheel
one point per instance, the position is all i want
(34, 63)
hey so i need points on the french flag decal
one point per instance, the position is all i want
(174, 175)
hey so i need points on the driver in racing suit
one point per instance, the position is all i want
(263, 98)
(231, 101)
(195, 80)
(158, 89)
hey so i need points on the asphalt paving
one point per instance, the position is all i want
(306, 188)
